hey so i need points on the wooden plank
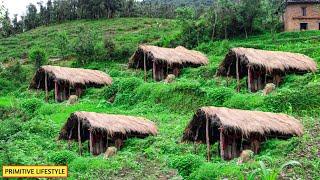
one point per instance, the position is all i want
(238, 75)
(46, 85)
(207, 139)
(145, 67)
(79, 138)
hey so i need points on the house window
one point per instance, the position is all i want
(304, 11)
(303, 26)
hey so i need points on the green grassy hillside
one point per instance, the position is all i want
(29, 126)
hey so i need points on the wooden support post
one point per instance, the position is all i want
(238, 76)
(249, 78)
(145, 67)
(91, 141)
(46, 85)
(56, 90)
(79, 138)
(207, 139)
(154, 70)
(69, 138)
(221, 143)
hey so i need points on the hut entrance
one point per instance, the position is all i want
(162, 70)
(257, 79)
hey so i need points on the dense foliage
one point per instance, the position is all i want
(208, 20)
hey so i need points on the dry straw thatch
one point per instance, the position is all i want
(246, 122)
(112, 124)
(270, 60)
(74, 75)
(170, 56)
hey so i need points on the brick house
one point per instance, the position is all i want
(302, 15)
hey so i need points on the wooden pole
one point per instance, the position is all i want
(69, 138)
(221, 143)
(238, 76)
(91, 141)
(207, 139)
(145, 67)
(154, 70)
(249, 78)
(46, 85)
(56, 90)
(79, 138)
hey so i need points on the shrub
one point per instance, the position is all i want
(186, 164)
(109, 45)
(210, 171)
(31, 105)
(62, 157)
(245, 101)
(218, 96)
(62, 43)
(294, 100)
(84, 46)
(38, 56)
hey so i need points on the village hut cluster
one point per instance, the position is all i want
(235, 130)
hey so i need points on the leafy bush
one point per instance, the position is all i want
(38, 56)
(294, 100)
(85, 45)
(210, 171)
(186, 164)
(62, 157)
(63, 43)
(219, 95)
(109, 45)
(245, 101)
(31, 105)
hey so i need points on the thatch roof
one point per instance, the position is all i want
(178, 55)
(244, 121)
(73, 75)
(269, 60)
(302, 1)
(111, 124)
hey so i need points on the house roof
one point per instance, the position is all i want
(73, 75)
(270, 60)
(111, 124)
(244, 121)
(178, 55)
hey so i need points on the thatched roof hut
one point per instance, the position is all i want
(165, 61)
(263, 66)
(239, 129)
(65, 80)
(103, 130)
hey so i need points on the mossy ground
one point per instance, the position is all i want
(30, 126)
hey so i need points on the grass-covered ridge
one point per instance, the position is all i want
(30, 126)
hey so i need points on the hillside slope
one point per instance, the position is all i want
(30, 126)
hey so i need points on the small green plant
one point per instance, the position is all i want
(271, 174)
(38, 56)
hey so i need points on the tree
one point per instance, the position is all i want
(31, 19)
(84, 46)
(6, 26)
(38, 56)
